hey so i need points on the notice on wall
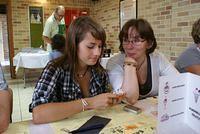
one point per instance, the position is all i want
(36, 26)
(179, 104)
(128, 10)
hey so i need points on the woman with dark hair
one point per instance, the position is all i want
(136, 70)
(58, 46)
(189, 60)
(75, 82)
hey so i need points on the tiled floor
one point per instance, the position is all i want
(21, 100)
(22, 96)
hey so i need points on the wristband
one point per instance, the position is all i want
(134, 64)
(84, 104)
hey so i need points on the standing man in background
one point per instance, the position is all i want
(5, 103)
(55, 24)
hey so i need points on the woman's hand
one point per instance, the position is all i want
(120, 96)
(129, 60)
(104, 100)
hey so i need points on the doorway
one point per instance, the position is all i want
(73, 13)
(6, 37)
(4, 47)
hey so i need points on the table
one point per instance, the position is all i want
(104, 60)
(38, 59)
(29, 60)
(122, 122)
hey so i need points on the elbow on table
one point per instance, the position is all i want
(132, 100)
(37, 117)
(3, 125)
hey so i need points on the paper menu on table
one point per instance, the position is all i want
(178, 111)
(193, 103)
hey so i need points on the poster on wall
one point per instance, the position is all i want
(36, 26)
(36, 15)
(128, 10)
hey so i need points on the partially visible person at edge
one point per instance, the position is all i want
(58, 46)
(75, 82)
(55, 24)
(189, 60)
(136, 70)
(5, 103)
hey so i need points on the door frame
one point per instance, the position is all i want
(10, 38)
(8, 4)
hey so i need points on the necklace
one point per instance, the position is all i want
(82, 75)
(138, 68)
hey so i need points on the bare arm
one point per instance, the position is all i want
(193, 69)
(5, 109)
(46, 39)
(50, 112)
(130, 82)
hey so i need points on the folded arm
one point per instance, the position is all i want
(46, 39)
(130, 81)
(50, 112)
(193, 69)
(5, 108)
(124, 78)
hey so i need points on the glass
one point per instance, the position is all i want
(133, 41)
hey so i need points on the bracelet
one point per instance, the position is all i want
(84, 104)
(134, 64)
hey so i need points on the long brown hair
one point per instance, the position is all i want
(143, 28)
(75, 34)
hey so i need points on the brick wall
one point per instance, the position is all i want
(171, 20)
(106, 12)
(172, 23)
(1, 42)
(20, 16)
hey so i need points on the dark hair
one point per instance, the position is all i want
(196, 31)
(58, 42)
(143, 28)
(76, 33)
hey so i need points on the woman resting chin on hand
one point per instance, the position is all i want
(136, 70)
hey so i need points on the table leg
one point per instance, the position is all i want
(24, 78)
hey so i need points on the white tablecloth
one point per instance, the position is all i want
(31, 60)
(28, 60)
(104, 61)
(39, 60)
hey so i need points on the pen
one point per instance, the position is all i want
(87, 128)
